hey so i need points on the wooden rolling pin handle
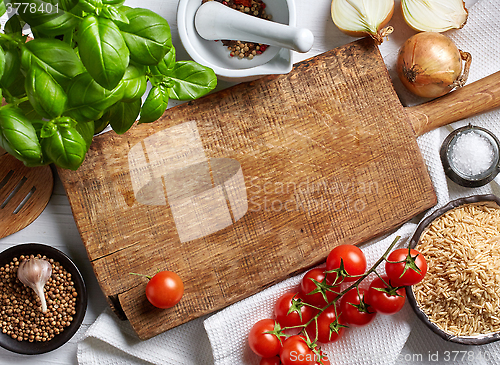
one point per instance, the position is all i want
(478, 97)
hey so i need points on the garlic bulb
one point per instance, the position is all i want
(434, 15)
(361, 17)
(35, 273)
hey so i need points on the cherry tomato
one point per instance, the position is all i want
(283, 305)
(382, 302)
(165, 289)
(307, 285)
(264, 344)
(410, 276)
(351, 313)
(325, 319)
(295, 351)
(275, 360)
(353, 258)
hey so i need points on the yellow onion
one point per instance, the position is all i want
(359, 18)
(434, 15)
(430, 65)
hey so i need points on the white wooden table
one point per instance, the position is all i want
(56, 226)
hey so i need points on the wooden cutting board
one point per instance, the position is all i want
(250, 185)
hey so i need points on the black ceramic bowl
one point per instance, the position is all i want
(465, 340)
(33, 348)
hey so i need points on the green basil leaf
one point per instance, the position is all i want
(147, 35)
(55, 57)
(38, 35)
(18, 137)
(111, 12)
(2, 62)
(103, 50)
(38, 124)
(48, 130)
(16, 89)
(14, 26)
(3, 9)
(66, 147)
(155, 104)
(190, 80)
(123, 115)
(90, 6)
(167, 63)
(134, 83)
(101, 123)
(28, 111)
(44, 93)
(12, 67)
(50, 17)
(113, 2)
(87, 100)
(86, 130)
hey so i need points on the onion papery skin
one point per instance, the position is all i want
(434, 15)
(428, 64)
(359, 18)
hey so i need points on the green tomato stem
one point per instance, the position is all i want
(146, 276)
(355, 285)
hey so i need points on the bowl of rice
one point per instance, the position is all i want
(459, 298)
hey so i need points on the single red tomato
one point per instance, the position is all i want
(353, 259)
(275, 360)
(354, 310)
(283, 305)
(165, 289)
(408, 272)
(326, 321)
(389, 302)
(295, 351)
(262, 343)
(307, 285)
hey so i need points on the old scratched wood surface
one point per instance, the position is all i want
(242, 188)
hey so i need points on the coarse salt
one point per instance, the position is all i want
(471, 154)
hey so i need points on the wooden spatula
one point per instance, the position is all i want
(24, 193)
(247, 186)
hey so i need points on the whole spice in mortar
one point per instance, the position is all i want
(21, 315)
(242, 49)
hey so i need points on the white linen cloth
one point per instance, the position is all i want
(222, 337)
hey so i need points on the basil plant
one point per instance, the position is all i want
(88, 66)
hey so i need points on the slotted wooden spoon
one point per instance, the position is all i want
(24, 193)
